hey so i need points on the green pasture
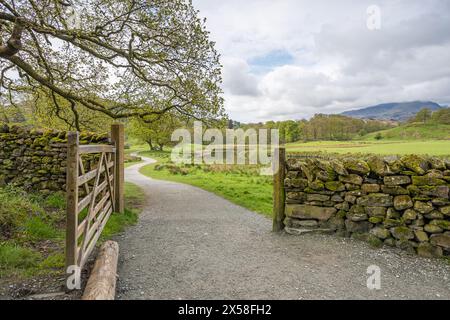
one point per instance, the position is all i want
(430, 147)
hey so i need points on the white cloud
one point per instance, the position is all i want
(237, 79)
(337, 63)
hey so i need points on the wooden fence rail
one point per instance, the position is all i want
(102, 188)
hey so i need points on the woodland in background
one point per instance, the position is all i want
(321, 127)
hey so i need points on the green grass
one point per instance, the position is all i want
(31, 238)
(134, 199)
(33, 229)
(56, 200)
(410, 138)
(37, 229)
(433, 147)
(413, 131)
(15, 256)
(131, 163)
(240, 184)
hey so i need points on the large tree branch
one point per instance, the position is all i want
(129, 58)
(89, 103)
(14, 43)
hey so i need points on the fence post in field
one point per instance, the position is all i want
(118, 138)
(72, 198)
(278, 189)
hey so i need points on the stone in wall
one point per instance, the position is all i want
(397, 201)
(36, 159)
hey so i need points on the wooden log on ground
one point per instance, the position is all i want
(102, 282)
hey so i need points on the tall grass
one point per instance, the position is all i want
(32, 229)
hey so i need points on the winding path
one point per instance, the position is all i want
(192, 244)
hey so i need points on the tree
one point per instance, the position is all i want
(121, 58)
(291, 131)
(338, 127)
(156, 134)
(378, 136)
(441, 116)
(423, 115)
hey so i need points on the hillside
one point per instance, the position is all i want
(413, 131)
(392, 111)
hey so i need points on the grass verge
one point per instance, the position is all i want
(241, 184)
(32, 230)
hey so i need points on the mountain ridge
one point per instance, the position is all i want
(396, 111)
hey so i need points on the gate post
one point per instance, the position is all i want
(72, 198)
(118, 137)
(278, 190)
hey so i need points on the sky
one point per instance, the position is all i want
(290, 59)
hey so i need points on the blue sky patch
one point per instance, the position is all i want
(270, 60)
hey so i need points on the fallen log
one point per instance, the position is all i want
(102, 281)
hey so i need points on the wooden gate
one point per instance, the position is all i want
(94, 195)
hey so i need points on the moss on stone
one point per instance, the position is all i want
(376, 220)
(334, 186)
(374, 241)
(388, 223)
(316, 185)
(408, 173)
(430, 228)
(341, 214)
(415, 163)
(356, 166)
(443, 224)
(427, 181)
(402, 233)
(377, 165)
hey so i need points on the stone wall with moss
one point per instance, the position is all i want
(36, 159)
(393, 201)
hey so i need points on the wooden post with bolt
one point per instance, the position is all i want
(72, 198)
(118, 138)
(278, 189)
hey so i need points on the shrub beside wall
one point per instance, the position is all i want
(395, 201)
(36, 159)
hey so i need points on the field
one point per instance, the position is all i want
(412, 132)
(240, 184)
(410, 138)
(430, 147)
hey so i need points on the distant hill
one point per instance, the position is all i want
(412, 131)
(392, 111)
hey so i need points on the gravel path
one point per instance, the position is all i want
(192, 244)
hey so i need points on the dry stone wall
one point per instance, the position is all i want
(394, 201)
(36, 159)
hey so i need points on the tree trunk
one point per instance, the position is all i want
(150, 144)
